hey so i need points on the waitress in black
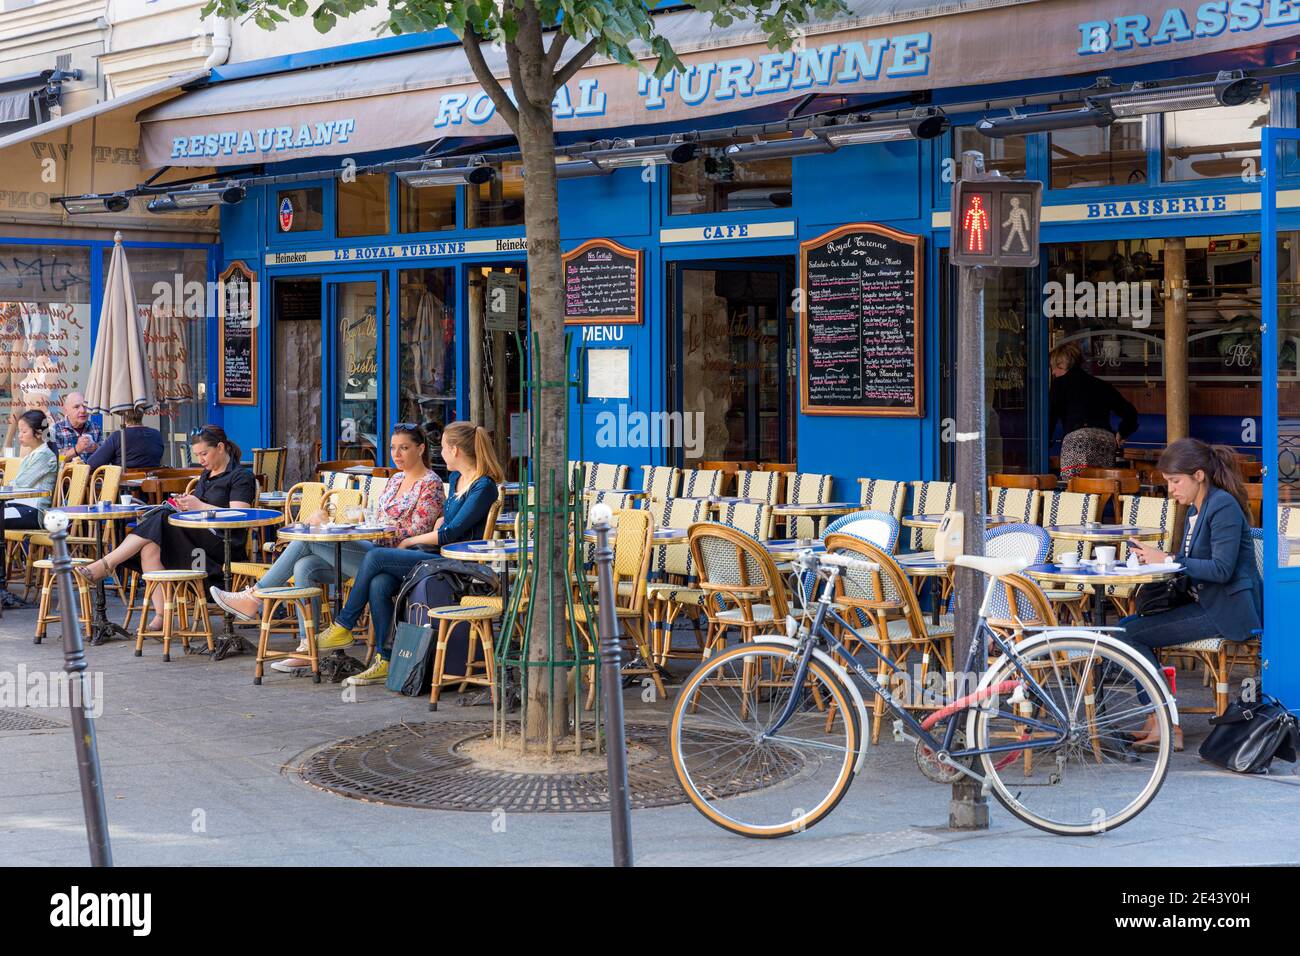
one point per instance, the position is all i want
(155, 544)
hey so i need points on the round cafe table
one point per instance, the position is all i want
(225, 521)
(101, 628)
(821, 509)
(921, 566)
(9, 493)
(484, 552)
(787, 549)
(931, 521)
(662, 536)
(1088, 574)
(337, 536)
(1102, 533)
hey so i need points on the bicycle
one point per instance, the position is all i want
(766, 736)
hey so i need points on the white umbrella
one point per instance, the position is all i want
(120, 378)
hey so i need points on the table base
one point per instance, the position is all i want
(226, 645)
(339, 666)
(101, 632)
(12, 602)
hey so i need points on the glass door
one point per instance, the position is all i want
(296, 314)
(732, 369)
(353, 426)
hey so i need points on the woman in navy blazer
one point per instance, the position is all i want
(1217, 555)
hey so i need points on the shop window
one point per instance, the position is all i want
(45, 316)
(1115, 155)
(715, 182)
(427, 378)
(431, 209)
(1007, 156)
(300, 210)
(363, 206)
(1288, 397)
(499, 203)
(1212, 143)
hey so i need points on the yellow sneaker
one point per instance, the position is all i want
(336, 635)
(376, 673)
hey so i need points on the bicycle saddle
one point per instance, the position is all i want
(994, 567)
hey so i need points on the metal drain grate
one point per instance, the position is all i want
(416, 765)
(27, 720)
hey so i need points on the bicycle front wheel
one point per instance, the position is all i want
(1071, 769)
(740, 771)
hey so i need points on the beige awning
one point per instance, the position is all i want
(881, 46)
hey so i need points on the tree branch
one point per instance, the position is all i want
(578, 61)
(491, 85)
(556, 49)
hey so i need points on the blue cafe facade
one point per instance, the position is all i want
(373, 295)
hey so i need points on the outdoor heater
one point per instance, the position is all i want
(1018, 124)
(625, 153)
(474, 173)
(1230, 89)
(117, 202)
(827, 139)
(198, 197)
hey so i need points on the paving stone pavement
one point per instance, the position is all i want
(196, 763)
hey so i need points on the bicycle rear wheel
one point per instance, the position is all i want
(1083, 777)
(739, 776)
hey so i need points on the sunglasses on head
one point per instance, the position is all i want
(407, 427)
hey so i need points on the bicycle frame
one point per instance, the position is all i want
(978, 651)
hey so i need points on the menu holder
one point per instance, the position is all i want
(602, 284)
(861, 326)
(237, 336)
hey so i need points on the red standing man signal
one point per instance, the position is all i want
(975, 223)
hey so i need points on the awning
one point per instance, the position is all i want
(94, 150)
(882, 46)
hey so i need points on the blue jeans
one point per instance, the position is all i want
(377, 584)
(1188, 622)
(311, 563)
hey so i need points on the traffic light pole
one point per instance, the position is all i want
(969, 809)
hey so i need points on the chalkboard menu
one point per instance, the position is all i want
(237, 325)
(602, 284)
(861, 324)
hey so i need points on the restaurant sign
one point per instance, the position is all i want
(398, 250)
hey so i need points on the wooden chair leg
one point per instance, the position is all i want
(309, 630)
(144, 618)
(263, 636)
(43, 610)
(169, 603)
(439, 663)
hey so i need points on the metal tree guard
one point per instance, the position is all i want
(543, 525)
(83, 727)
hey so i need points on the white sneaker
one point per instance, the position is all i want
(223, 599)
(286, 665)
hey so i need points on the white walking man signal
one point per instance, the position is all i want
(1018, 220)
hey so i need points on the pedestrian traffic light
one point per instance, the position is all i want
(995, 221)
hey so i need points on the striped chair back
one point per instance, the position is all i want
(337, 480)
(1069, 507)
(1020, 504)
(875, 527)
(1146, 511)
(759, 485)
(338, 501)
(660, 482)
(676, 513)
(268, 465)
(754, 520)
(929, 498)
(606, 476)
(632, 549)
(803, 488)
(882, 494)
(700, 484)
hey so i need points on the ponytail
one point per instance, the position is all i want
(1186, 456)
(473, 440)
(215, 435)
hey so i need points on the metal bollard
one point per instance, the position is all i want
(611, 677)
(74, 662)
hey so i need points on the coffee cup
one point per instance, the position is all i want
(125, 500)
(1105, 555)
(1070, 559)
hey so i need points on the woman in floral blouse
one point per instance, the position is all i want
(410, 506)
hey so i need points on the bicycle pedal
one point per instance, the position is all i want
(901, 736)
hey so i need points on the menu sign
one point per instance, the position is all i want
(237, 334)
(602, 284)
(861, 323)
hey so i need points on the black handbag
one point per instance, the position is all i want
(1249, 735)
(1161, 596)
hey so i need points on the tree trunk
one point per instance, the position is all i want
(548, 689)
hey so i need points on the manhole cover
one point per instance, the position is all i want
(26, 720)
(419, 765)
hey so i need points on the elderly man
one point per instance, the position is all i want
(77, 436)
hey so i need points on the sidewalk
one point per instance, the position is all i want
(194, 758)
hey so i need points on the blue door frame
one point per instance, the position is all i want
(1281, 653)
(331, 385)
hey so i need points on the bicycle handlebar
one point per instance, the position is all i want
(843, 561)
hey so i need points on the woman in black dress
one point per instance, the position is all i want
(155, 544)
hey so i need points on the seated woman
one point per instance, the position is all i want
(144, 445)
(38, 469)
(156, 544)
(476, 473)
(410, 504)
(1217, 555)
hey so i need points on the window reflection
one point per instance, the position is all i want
(427, 380)
(716, 182)
(1115, 155)
(498, 203)
(1216, 142)
(363, 206)
(1006, 156)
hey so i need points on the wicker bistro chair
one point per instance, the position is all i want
(1218, 654)
(741, 586)
(891, 617)
(1141, 512)
(1018, 604)
(1069, 507)
(929, 497)
(1022, 504)
(268, 465)
(876, 527)
(660, 482)
(881, 494)
(754, 520)
(632, 549)
(701, 484)
(606, 476)
(759, 486)
(673, 591)
(70, 490)
(805, 489)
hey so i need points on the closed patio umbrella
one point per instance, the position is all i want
(120, 377)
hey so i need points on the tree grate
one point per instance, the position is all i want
(26, 720)
(416, 765)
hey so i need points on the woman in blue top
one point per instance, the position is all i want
(38, 469)
(1217, 555)
(476, 472)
